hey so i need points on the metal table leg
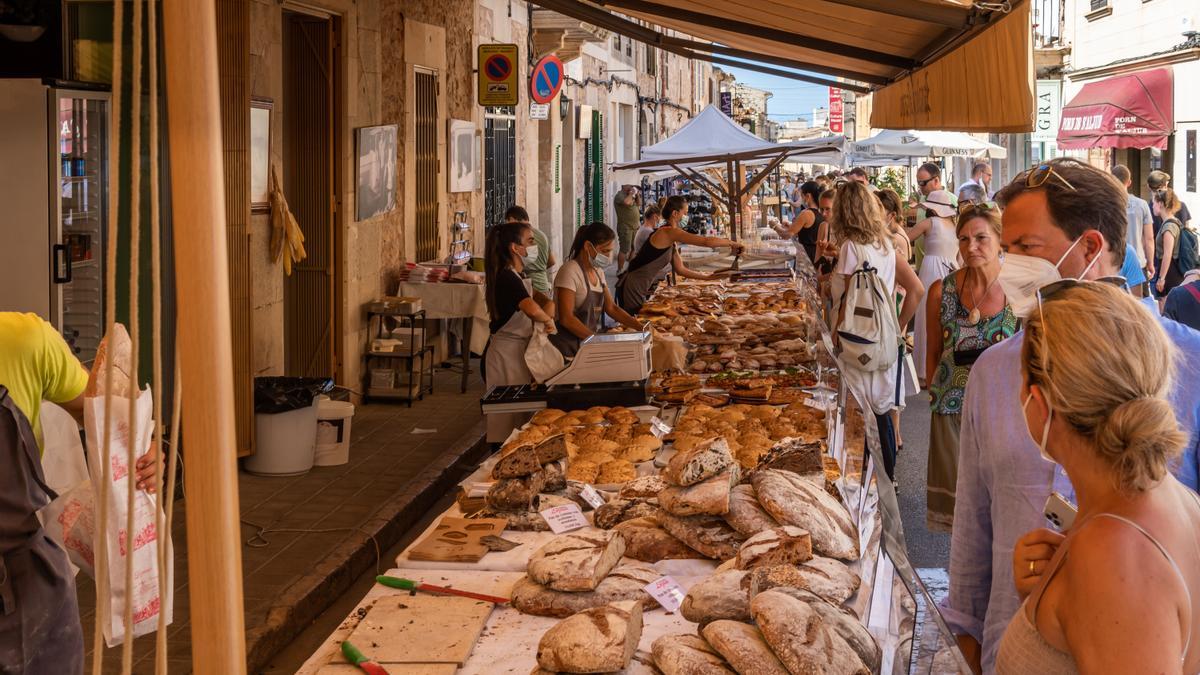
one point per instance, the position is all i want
(468, 323)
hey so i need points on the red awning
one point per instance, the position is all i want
(1130, 111)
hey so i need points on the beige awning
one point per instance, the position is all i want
(914, 53)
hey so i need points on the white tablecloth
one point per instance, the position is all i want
(453, 301)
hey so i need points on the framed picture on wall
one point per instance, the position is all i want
(464, 157)
(375, 181)
(260, 153)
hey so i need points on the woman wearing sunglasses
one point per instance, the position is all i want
(1120, 593)
(968, 310)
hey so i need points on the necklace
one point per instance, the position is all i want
(973, 316)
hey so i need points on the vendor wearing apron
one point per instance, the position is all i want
(512, 304)
(581, 292)
(658, 255)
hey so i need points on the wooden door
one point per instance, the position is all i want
(308, 176)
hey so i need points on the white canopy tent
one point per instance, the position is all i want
(711, 140)
(895, 143)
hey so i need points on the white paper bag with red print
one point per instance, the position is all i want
(141, 547)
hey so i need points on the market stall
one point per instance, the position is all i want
(739, 493)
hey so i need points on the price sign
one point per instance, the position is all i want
(667, 592)
(592, 496)
(564, 518)
(659, 428)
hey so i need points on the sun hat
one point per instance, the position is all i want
(941, 203)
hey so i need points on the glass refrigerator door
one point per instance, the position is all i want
(81, 220)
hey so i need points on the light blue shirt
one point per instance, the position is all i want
(1003, 482)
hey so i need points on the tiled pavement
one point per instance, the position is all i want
(390, 481)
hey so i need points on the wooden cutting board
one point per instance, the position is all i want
(420, 630)
(457, 540)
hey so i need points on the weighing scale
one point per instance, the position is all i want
(610, 369)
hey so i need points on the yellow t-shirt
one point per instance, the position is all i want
(36, 364)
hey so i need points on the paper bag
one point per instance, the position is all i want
(141, 546)
(668, 353)
(541, 356)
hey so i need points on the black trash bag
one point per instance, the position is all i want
(284, 394)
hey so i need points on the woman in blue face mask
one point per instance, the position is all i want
(581, 290)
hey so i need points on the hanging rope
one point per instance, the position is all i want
(163, 539)
(110, 320)
(135, 250)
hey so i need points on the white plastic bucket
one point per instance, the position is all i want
(285, 442)
(333, 432)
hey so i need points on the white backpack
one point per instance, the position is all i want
(868, 334)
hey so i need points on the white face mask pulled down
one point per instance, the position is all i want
(1045, 428)
(1021, 276)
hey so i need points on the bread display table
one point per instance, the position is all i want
(879, 599)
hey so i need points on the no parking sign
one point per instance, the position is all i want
(498, 74)
(546, 79)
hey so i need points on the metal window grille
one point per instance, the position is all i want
(1099, 4)
(425, 109)
(500, 163)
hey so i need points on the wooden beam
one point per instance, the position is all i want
(944, 15)
(763, 174)
(780, 73)
(761, 31)
(714, 48)
(204, 337)
(616, 24)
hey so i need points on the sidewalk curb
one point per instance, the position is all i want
(310, 595)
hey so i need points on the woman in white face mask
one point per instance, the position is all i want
(512, 304)
(581, 290)
(1120, 593)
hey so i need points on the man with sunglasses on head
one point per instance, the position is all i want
(1063, 221)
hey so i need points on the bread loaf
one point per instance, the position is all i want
(615, 471)
(785, 545)
(645, 540)
(745, 514)
(640, 449)
(554, 476)
(597, 640)
(626, 582)
(793, 454)
(793, 500)
(801, 639)
(825, 577)
(519, 461)
(708, 497)
(643, 487)
(576, 562)
(705, 460)
(709, 535)
(530, 520)
(687, 655)
(515, 494)
(744, 647)
(724, 595)
(620, 510)
(553, 448)
(844, 623)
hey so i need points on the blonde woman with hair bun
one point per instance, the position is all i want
(1119, 593)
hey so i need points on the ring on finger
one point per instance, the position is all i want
(1031, 567)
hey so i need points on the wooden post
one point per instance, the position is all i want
(204, 339)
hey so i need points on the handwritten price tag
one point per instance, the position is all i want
(668, 593)
(592, 496)
(659, 428)
(564, 518)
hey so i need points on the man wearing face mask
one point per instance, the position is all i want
(1062, 220)
(581, 291)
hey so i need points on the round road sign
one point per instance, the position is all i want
(497, 67)
(546, 79)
